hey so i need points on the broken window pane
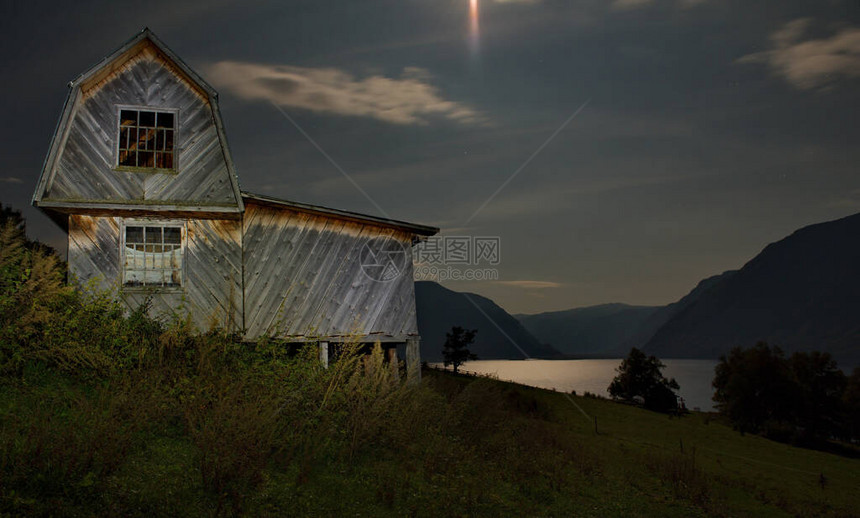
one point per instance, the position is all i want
(147, 119)
(132, 138)
(146, 159)
(128, 158)
(127, 118)
(138, 132)
(165, 120)
(145, 139)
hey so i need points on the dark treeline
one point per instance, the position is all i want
(803, 398)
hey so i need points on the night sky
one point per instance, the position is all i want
(676, 138)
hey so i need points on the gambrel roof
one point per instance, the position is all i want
(79, 170)
(80, 174)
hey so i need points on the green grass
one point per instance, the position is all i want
(108, 414)
(456, 446)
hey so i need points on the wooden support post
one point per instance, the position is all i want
(413, 359)
(393, 364)
(324, 354)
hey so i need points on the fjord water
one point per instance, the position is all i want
(694, 376)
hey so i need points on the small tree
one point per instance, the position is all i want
(456, 348)
(640, 376)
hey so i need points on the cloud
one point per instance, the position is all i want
(530, 285)
(409, 99)
(812, 63)
(10, 179)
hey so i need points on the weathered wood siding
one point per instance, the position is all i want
(303, 277)
(94, 254)
(213, 262)
(212, 290)
(85, 170)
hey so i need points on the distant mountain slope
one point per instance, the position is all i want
(439, 309)
(801, 293)
(649, 327)
(608, 329)
(590, 330)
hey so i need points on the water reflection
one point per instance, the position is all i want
(694, 376)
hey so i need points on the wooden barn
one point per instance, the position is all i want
(139, 175)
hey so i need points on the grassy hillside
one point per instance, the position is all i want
(453, 446)
(108, 414)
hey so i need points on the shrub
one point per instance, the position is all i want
(234, 425)
(31, 292)
(640, 376)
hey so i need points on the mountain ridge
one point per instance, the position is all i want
(801, 292)
(500, 335)
(590, 330)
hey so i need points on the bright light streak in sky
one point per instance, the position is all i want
(474, 32)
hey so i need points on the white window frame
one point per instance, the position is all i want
(163, 223)
(117, 125)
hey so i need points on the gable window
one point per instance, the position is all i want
(153, 254)
(146, 139)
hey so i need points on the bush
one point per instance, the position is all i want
(31, 292)
(234, 424)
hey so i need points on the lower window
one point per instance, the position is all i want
(153, 254)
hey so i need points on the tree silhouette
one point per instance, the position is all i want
(640, 376)
(803, 398)
(456, 348)
(851, 400)
(820, 387)
(754, 389)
